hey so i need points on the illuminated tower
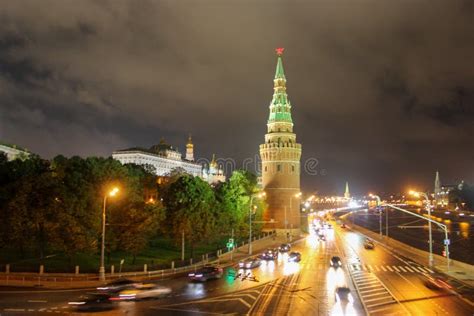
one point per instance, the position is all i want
(347, 194)
(190, 150)
(280, 157)
(437, 188)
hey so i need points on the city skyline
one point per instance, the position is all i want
(388, 114)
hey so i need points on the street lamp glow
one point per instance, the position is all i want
(114, 191)
(111, 193)
(297, 195)
(414, 193)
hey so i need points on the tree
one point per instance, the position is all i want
(190, 209)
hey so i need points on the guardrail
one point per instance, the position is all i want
(27, 277)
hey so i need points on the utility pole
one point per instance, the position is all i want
(182, 245)
(232, 250)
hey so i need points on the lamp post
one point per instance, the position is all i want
(428, 207)
(112, 193)
(377, 198)
(297, 195)
(259, 195)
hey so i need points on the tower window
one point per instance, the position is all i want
(278, 168)
(265, 168)
(292, 168)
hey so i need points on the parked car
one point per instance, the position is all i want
(94, 302)
(294, 256)
(206, 273)
(284, 248)
(250, 263)
(142, 291)
(335, 262)
(343, 294)
(369, 244)
(270, 254)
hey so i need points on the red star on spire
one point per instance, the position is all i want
(279, 51)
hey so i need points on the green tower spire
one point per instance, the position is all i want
(280, 107)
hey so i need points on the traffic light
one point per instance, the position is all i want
(444, 253)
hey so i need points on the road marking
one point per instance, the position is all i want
(409, 269)
(14, 310)
(431, 271)
(383, 268)
(37, 301)
(401, 268)
(377, 268)
(370, 267)
(395, 268)
(388, 267)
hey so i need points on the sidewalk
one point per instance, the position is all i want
(60, 281)
(458, 270)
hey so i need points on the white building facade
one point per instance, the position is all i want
(14, 152)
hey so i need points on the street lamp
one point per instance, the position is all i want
(374, 196)
(259, 195)
(297, 195)
(112, 193)
(428, 207)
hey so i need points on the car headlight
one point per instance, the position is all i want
(241, 264)
(191, 274)
(249, 265)
(198, 275)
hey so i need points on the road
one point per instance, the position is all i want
(461, 231)
(387, 283)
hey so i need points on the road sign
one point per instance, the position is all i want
(447, 242)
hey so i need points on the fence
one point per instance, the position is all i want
(41, 277)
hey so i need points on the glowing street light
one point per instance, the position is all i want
(111, 193)
(259, 195)
(428, 207)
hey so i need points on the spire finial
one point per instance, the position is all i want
(279, 51)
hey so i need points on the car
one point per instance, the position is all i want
(206, 273)
(94, 302)
(343, 294)
(142, 291)
(284, 248)
(250, 263)
(269, 254)
(294, 256)
(116, 285)
(335, 262)
(436, 282)
(369, 244)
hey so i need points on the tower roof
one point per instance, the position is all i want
(279, 72)
(280, 107)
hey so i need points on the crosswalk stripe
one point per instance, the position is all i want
(383, 268)
(401, 268)
(431, 271)
(395, 268)
(422, 269)
(388, 267)
(409, 269)
(369, 266)
(416, 269)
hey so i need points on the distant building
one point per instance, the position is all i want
(441, 192)
(213, 173)
(13, 152)
(347, 194)
(164, 158)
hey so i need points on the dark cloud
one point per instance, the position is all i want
(382, 92)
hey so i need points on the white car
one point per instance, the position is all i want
(142, 291)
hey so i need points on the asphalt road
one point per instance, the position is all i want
(387, 283)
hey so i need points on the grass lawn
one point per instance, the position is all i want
(158, 255)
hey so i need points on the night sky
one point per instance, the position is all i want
(382, 91)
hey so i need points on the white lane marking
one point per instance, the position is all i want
(416, 269)
(37, 301)
(31, 310)
(409, 269)
(395, 268)
(422, 270)
(388, 267)
(370, 267)
(383, 268)
(14, 310)
(431, 271)
(377, 268)
(401, 268)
